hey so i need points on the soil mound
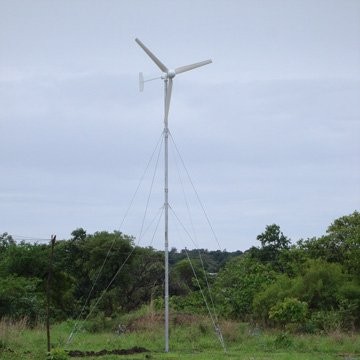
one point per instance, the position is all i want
(133, 350)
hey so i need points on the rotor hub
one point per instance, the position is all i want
(171, 74)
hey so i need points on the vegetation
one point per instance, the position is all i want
(310, 287)
(191, 337)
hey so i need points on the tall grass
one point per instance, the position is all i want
(191, 337)
(10, 331)
(15, 342)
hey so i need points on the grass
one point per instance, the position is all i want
(191, 337)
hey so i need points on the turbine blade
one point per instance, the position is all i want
(152, 56)
(182, 69)
(168, 98)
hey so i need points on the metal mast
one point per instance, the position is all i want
(166, 208)
(167, 76)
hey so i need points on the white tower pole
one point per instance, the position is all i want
(166, 208)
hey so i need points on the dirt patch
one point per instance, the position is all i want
(134, 350)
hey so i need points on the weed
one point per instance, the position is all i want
(3, 344)
(231, 330)
(203, 329)
(337, 337)
(57, 354)
(283, 340)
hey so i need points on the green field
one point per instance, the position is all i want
(190, 338)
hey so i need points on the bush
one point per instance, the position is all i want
(319, 285)
(349, 314)
(192, 303)
(57, 354)
(283, 340)
(350, 305)
(325, 321)
(96, 325)
(238, 283)
(20, 298)
(269, 296)
(289, 311)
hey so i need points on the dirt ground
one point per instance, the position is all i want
(134, 350)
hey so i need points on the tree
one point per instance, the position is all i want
(147, 270)
(273, 243)
(270, 294)
(238, 283)
(322, 286)
(289, 311)
(273, 238)
(105, 262)
(319, 285)
(108, 261)
(182, 277)
(78, 234)
(21, 297)
(340, 245)
(343, 237)
(6, 240)
(26, 260)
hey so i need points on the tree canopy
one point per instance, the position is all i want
(313, 284)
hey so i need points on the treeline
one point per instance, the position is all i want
(88, 267)
(310, 285)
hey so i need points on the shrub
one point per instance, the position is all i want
(269, 296)
(97, 324)
(283, 340)
(325, 321)
(237, 284)
(319, 285)
(289, 311)
(192, 303)
(20, 298)
(57, 354)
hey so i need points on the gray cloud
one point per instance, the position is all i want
(269, 131)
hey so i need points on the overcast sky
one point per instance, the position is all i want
(269, 132)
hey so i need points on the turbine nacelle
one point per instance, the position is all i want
(171, 74)
(168, 75)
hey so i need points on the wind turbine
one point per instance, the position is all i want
(168, 76)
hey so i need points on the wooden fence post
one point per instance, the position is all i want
(53, 238)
